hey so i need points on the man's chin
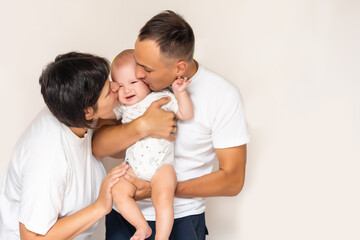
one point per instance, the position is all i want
(156, 89)
(152, 88)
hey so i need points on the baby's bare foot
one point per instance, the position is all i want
(142, 233)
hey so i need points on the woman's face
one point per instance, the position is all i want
(107, 100)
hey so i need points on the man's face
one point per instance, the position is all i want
(152, 67)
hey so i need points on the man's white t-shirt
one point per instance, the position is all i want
(52, 174)
(218, 122)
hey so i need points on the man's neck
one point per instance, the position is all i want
(192, 69)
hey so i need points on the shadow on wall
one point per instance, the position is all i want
(110, 163)
(221, 216)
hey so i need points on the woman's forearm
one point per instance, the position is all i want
(68, 227)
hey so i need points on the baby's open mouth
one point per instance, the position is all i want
(129, 97)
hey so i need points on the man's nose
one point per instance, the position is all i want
(139, 72)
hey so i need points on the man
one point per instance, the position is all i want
(163, 51)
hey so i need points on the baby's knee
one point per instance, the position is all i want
(163, 198)
(122, 191)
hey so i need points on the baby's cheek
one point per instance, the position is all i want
(120, 99)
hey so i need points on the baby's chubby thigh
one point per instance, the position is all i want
(163, 185)
(122, 191)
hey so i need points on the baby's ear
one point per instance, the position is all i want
(181, 68)
(89, 113)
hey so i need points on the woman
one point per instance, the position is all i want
(51, 189)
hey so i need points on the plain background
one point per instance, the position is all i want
(296, 63)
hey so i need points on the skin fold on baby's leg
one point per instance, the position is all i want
(163, 185)
(122, 194)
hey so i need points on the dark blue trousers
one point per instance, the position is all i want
(186, 228)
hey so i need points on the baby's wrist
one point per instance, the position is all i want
(179, 93)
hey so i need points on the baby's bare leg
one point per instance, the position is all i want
(122, 194)
(163, 185)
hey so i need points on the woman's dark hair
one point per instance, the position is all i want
(72, 83)
(173, 34)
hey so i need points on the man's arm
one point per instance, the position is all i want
(227, 181)
(155, 122)
(109, 140)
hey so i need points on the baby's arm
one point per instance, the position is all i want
(186, 108)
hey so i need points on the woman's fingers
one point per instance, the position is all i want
(114, 175)
(114, 180)
(120, 167)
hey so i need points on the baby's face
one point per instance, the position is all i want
(131, 89)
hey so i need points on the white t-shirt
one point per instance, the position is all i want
(52, 174)
(218, 122)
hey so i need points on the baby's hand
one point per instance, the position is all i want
(180, 84)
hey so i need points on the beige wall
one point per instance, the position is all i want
(296, 64)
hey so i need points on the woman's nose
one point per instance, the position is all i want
(114, 87)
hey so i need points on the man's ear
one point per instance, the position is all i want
(181, 68)
(89, 113)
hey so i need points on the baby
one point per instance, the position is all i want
(151, 159)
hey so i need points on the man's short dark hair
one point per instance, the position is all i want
(173, 34)
(72, 83)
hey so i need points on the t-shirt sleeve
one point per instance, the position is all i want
(118, 110)
(173, 104)
(229, 127)
(44, 189)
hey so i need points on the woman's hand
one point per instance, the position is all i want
(104, 200)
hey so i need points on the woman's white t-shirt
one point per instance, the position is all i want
(52, 174)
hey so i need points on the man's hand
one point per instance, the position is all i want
(155, 122)
(143, 188)
(158, 123)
